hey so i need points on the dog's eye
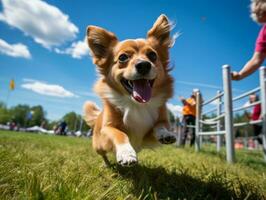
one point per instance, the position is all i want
(152, 56)
(123, 58)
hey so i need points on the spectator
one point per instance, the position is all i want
(62, 128)
(258, 14)
(189, 117)
(256, 115)
(12, 126)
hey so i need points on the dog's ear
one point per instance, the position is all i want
(100, 43)
(159, 37)
(160, 32)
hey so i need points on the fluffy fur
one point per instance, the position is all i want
(128, 121)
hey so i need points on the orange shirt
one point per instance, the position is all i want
(188, 108)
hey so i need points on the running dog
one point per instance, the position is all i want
(134, 86)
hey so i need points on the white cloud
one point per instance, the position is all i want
(46, 89)
(14, 50)
(175, 109)
(77, 50)
(45, 23)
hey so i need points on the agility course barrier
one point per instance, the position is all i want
(224, 110)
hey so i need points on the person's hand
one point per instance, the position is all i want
(236, 76)
(181, 98)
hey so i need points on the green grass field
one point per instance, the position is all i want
(34, 166)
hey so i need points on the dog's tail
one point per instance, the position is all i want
(91, 112)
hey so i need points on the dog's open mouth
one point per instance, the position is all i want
(140, 89)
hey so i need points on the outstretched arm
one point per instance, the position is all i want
(251, 66)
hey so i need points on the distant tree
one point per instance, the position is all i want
(26, 116)
(85, 127)
(51, 124)
(5, 115)
(19, 114)
(205, 127)
(73, 121)
(239, 118)
(2, 105)
(38, 116)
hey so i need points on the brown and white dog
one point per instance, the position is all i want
(134, 86)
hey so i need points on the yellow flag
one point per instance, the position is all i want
(12, 84)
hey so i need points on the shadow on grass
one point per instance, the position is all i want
(157, 183)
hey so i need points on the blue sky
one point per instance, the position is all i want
(42, 46)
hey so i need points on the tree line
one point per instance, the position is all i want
(28, 116)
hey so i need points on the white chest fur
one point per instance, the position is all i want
(138, 118)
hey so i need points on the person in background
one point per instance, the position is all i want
(258, 14)
(189, 117)
(61, 128)
(256, 115)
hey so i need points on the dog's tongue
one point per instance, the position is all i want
(141, 90)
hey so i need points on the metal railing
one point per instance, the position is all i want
(224, 99)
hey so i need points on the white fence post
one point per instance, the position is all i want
(263, 105)
(200, 137)
(178, 131)
(219, 108)
(229, 135)
(197, 124)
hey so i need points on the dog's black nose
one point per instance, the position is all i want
(143, 67)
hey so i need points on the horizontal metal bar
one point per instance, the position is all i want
(208, 123)
(246, 93)
(246, 107)
(215, 118)
(247, 123)
(212, 99)
(191, 126)
(212, 133)
(249, 137)
(209, 111)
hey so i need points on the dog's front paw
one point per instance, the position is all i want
(164, 136)
(126, 155)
